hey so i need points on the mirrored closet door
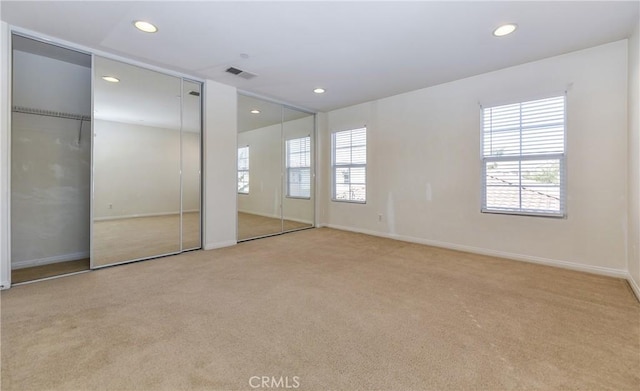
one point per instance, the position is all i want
(275, 168)
(146, 163)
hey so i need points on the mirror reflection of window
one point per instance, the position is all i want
(299, 167)
(243, 170)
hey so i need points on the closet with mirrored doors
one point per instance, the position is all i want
(105, 161)
(275, 168)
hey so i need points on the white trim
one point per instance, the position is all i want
(52, 277)
(213, 246)
(49, 260)
(604, 271)
(277, 217)
(634, 286)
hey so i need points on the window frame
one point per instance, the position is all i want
(247, 170)
(288, 169)
(335, 166)
(520, 158)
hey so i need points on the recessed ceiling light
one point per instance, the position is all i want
(505, 29)
(319, 90)
(145, 26)
(255, 111)
(111, 79)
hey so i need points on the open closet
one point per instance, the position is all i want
(50, 160)
(105, 161)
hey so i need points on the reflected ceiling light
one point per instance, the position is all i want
(319, 90)
(111, 79)
(255, 111)
(145, 26)
(505, 29)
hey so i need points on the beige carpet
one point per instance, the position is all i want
(254, 226)
(50, 270)
(340, 311)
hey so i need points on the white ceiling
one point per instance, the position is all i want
(358, 51)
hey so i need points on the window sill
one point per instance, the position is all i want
(524, 213)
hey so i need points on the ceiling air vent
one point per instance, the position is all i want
(241, 73)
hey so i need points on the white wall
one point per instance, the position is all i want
(424, 167)
(5, 102)
(220, 165)
(634, 161)
(50, 162)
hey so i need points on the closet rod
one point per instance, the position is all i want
(48, 113)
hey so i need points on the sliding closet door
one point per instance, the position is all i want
(191, 164)
(136, 163)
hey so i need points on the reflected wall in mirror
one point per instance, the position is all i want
(275, 171)
(138, 156)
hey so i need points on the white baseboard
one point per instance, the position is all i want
(605, 271)
(49, 260)
(277, 217)
(634, 286)
(107, 218)
(213, 246)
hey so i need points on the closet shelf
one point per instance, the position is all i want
(48, 113)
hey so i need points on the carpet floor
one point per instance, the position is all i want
(325, 310)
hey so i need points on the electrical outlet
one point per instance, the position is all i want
(380, 217)
(110, 206)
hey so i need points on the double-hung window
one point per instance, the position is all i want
(349, 165)
(298, 165)
(523, 157)
(243, 170)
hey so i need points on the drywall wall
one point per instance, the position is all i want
(267, 172)
(424, 166)
(220, 164)
(50, 162)
(45, 83)
(634, 161)
(5, 255)
(137, 170)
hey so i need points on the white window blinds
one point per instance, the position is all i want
(243, 170)
(349, 158)
(298, 165)
(524, 157)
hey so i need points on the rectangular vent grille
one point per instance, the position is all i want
(241, 73)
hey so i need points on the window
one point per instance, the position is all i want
(299, 167)
(524, 158)
(243, 170)
(349, 160)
